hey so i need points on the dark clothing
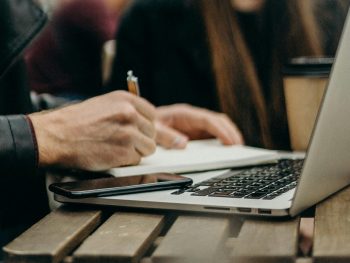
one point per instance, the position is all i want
(22, 188)
(66, 58)
(172, 64)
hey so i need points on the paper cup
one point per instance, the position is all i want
(305, 80)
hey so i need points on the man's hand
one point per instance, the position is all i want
(178, 123)
(107, 131)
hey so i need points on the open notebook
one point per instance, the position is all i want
(198, 156)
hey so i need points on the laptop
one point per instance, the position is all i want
(285, 188)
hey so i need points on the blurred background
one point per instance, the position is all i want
(225, 55)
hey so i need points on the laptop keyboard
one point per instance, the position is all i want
(263, 182)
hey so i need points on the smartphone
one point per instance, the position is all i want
(120, 185)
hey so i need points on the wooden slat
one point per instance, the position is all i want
(124, 237)
(53, 237)
(230, 243)
(267, 241)
(304, 260)
(193, 239)
(332, 229)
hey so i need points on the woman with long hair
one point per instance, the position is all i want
(225, 55)
(248, 53)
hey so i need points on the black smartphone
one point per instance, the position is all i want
(120, 185)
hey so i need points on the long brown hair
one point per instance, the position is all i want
(294, 33)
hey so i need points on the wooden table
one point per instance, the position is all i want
(72, 234)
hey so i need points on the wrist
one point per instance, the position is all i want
(49, 146)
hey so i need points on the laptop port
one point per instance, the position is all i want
(217, 208)
(264, 211)
(244, 210)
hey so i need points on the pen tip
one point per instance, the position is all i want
(130, 73)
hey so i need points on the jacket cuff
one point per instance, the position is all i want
(18, 148)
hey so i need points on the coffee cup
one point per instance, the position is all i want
(305, 80)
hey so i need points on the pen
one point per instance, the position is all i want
(133, 85)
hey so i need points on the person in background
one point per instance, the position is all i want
(225, 55)
(66, 59)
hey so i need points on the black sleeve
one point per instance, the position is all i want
(18, 150)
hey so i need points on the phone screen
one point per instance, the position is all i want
(120, 185)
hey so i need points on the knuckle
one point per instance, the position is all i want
(223, 116)
(125, 139)
(120, 95)
(184, 107)
(129, 113)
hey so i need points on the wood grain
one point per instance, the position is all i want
(124, 237)
(53, 237)
(193, 239)
(267, 241)
(332, 229)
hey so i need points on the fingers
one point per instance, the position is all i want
(198, 123)
(143, 107)
(223, 129)
(144, 133)
(136, 115)
(143, 145)
(141, 132)
(127, 114)
(131, 157)
(133, 143)
(231, 131)
(145, 126)
(170, 138)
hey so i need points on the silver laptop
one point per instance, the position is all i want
(282, 189)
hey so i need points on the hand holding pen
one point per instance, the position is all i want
(177, 124)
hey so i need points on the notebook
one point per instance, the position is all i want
(199, 155)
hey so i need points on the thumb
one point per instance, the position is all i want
(170, 138)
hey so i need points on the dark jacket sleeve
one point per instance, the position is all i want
(18, 150)
(23, 197)
(20, 22)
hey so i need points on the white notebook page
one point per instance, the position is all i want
(198, 156)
